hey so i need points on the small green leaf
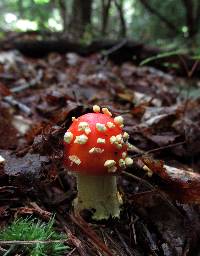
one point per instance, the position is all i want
(160, 56)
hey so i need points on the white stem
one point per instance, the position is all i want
(100, 194)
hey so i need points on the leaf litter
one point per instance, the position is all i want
(160, 215)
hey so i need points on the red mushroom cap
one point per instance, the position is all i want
(94, 144)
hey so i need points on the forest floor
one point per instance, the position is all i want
(38, 97)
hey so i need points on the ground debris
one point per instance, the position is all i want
(160, 214)
(30, 167)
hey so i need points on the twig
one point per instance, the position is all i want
(158, 149)
(9, 250)
(43, 214)
(130, 175)
(76, 242)
(10, 100)
(194, 67)
(73, 239)
(115, 48)
(184, 64)
(79, 221)
(7, 76)
(132, 225)
(32, 83)
(153, 189)
(116, 245)
(124, 243)
(30, 242)
(191, 71)
(72, 251)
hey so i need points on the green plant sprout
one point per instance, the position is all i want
(33, 237)
(161, 56)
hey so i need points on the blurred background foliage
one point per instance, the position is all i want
(169, 23)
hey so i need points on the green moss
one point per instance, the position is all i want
(34, 230)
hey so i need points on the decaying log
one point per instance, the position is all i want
(118, 51)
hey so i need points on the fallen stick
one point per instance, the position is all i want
(10, 100)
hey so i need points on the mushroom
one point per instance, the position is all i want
(95, 150)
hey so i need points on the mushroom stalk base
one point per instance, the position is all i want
(98, 193)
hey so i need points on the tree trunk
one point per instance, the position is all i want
(63, 13)
(190, 18)
(105, 15)
(197, 19)
(81, 17)
(20, 9)
(119, 6)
